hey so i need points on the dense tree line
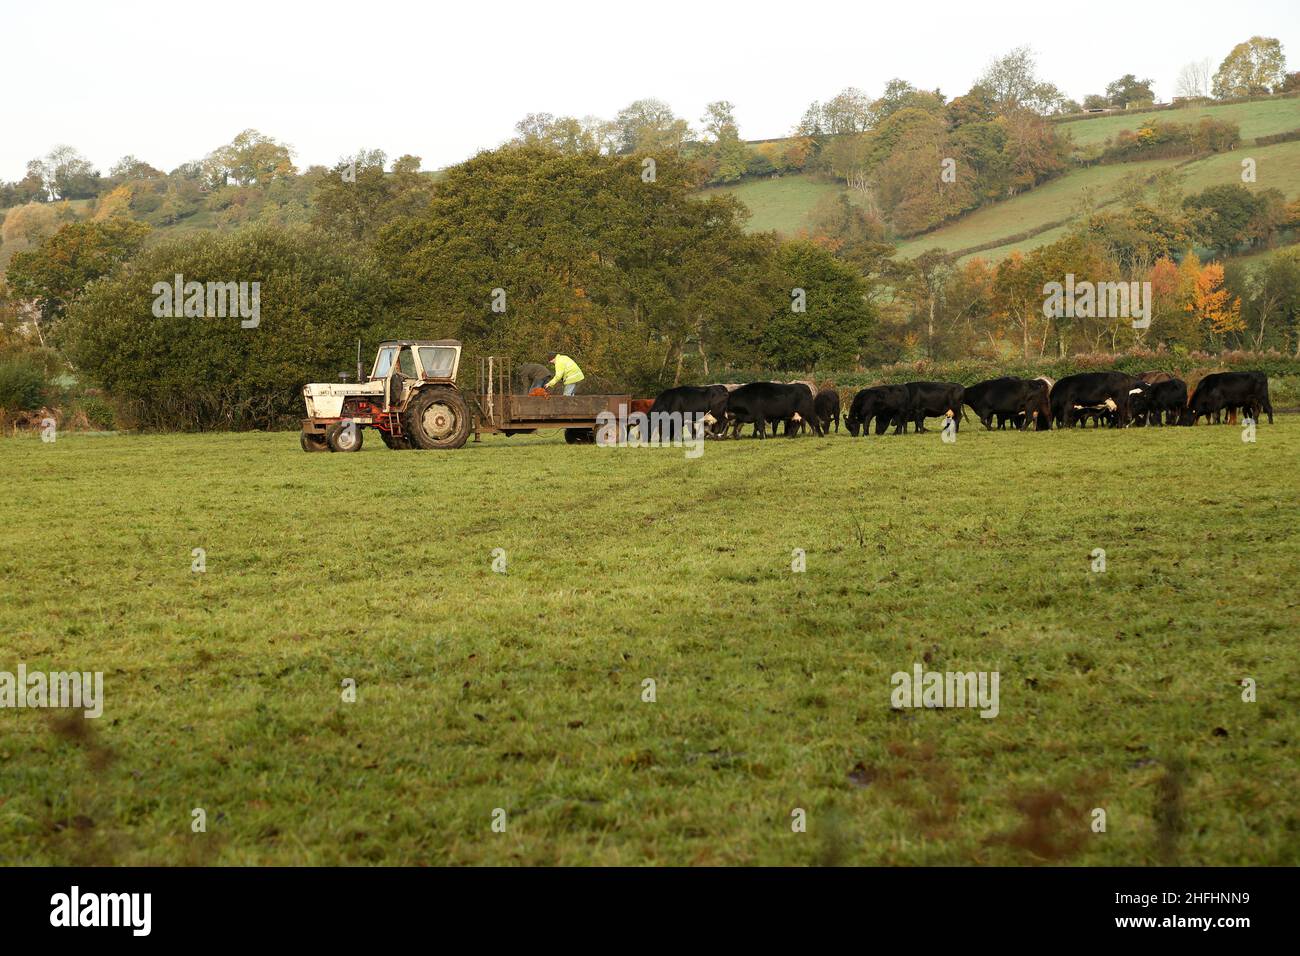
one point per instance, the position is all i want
(518, 251)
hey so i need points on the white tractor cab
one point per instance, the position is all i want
(411, 399)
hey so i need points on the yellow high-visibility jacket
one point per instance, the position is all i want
(566, 372)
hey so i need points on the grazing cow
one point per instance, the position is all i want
(826, 404)
(1011, 399)
(1154, 378)
(1228, 391)
(684, 400)
(1092, 391)
(792, 426)
(763, 402)
(887, 404)
(1042, 408)
(933, 399)
(1165, 401)
(1139, 404)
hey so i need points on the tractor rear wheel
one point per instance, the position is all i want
(437, 418)
(313, 442)
(343, 436)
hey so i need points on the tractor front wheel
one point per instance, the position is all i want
(343, 436)
(437, 418)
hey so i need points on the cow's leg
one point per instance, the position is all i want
(760, 425)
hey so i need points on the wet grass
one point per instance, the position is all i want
(524, 691)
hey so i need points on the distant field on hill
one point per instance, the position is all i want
(998, 253)
(786, 204)
(1263, 118)
(783, 203)
(1277, 167)
(1050, 202)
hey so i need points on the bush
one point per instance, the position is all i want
(1287, 137)
(92, 411)
(1159, 140)
(23, 385)
(317, 297)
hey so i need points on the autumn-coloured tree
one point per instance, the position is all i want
(1252, 68)
(1213, 305)
(1018, 297)
(1172, 320)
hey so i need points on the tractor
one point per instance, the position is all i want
(411, 399)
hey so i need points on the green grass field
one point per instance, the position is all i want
(1260, 118)
(784, 204)
(524, 691)
(1277, 167)
(1051, 202)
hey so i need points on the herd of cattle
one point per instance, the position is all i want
(1104, 398)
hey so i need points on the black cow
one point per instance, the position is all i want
(763, 402)
(931, 399)
(887, 404)
(1139, 403)
(1017, 400)
(1165, 401)
(687, 400)
(1095, 391)
(795, 426)
(1228, 391)
(827, 407)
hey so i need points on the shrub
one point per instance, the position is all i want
(96, 413)
(23, 385)
(1160, 140)
(317, 297)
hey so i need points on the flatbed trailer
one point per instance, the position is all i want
(498, 410)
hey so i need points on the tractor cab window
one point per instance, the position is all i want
(406, 363)
(438, 361)
(384, 363)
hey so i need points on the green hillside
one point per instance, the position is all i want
(1038, 217)
(1277, 167)
(782, 203)
(1261, 118)
(1048, 204)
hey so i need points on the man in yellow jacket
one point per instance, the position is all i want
(567, 372)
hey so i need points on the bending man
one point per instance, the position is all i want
(567, 372)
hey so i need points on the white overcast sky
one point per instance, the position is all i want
(169, 81)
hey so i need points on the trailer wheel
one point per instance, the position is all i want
(343, 436)
(313, 442)
(437, 418)
(580, 436)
